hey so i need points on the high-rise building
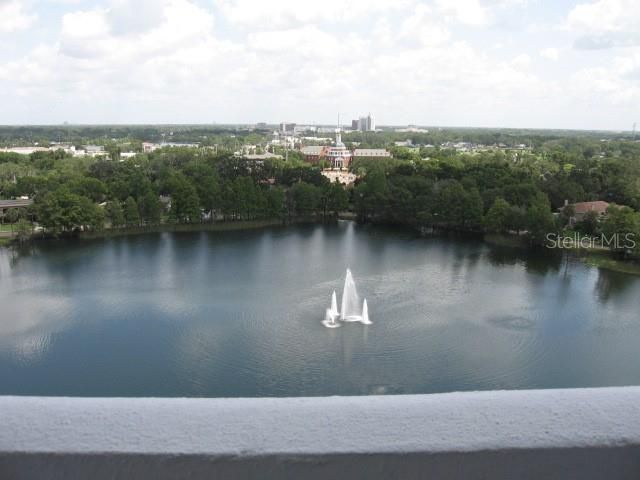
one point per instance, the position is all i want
(371, 123)
(364, 124)
(287, 127)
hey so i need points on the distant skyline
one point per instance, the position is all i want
(473, 63)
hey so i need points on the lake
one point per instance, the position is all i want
(230, 314)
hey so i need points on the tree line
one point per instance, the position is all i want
(496, 191)
(171, 186)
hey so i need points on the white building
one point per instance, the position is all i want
(371, 152)
(299, 129)
(24, 150)
(284, 140)
(94, 150)
(148, 147)
(339, 156)
(340, 176)
(261, 157)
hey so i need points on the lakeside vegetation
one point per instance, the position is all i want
(499, 191)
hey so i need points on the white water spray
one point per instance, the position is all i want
(351, 310)
(365, 313)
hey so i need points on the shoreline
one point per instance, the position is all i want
(228, 225)
(594, 258)
(186, 227)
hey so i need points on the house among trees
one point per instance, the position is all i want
(6, 205)
(578, 211)
(313, 153)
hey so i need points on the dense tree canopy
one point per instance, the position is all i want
(502, 188)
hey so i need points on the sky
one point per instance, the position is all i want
(481, 63)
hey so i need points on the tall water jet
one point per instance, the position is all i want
(365, 313)
(350, 309)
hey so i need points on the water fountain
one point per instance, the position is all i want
(351, 310)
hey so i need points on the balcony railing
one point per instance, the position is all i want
(539, 434)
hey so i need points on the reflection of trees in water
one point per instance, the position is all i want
(611, 284)
(17, 252)
(534, 260)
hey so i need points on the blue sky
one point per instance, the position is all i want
(504, 63)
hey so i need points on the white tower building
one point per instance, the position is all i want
(339, 156)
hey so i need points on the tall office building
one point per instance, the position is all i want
(364, 124)
(371, 123)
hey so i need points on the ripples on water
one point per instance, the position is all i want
(238, 314)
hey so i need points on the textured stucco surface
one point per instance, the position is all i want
(582, 433)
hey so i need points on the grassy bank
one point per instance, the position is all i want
(506, 240)
(192, 227)
(605, 261)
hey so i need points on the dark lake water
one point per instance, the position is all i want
(239, 314)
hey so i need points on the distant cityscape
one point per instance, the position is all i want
(317, 145)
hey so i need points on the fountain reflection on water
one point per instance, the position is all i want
(351, 309)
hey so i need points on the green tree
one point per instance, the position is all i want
(497, 218)
(115, 214)
(621, 225)
(590, 223)
(371, 196)
(150, 208)
(304, 198)
(334, 198)
(450, 203)
(472, 208)
(185, 204)
(62, 211)
(539, 219)
(275, 202)
(517, 220)
(13, 215)
(131, 213)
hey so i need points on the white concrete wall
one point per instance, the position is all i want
(543, 434)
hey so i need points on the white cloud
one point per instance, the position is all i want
(550, 53)
(98, 34)
(422, 28)
(292, 13)
(618, 82)
(605, 23)
(407, 62)
(306, 41)
(83, 25)
(13, 16)
(522, 61)
(467, 12)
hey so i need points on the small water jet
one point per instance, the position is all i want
(334, 304)
(365, 313)
(330, 320)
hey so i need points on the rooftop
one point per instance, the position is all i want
(15, 203)
(598, 206)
